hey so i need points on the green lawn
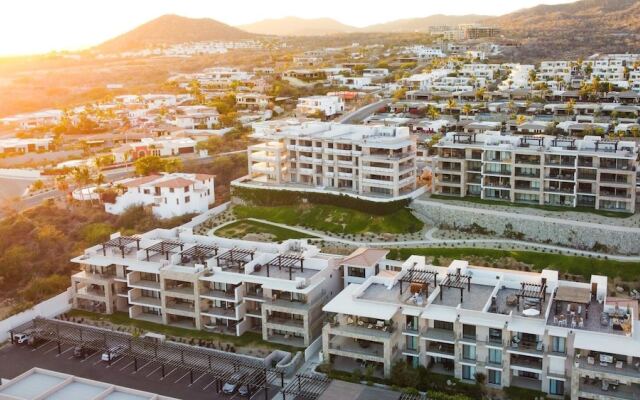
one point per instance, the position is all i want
(238, 229)
(333, 219)
(581, 266)
(248, 339)
(477, 200)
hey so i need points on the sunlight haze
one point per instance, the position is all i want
(73, 25)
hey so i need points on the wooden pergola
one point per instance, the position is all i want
(289, 261)
(199, 253)
(121, 243)
(456, 281)
(236, 257)
(535, 291)
(420, 276)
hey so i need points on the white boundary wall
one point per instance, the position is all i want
(47, 309)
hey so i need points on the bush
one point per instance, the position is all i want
(271, 197)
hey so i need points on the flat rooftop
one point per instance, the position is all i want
(38, 382)
(504, 304)
(473, 299)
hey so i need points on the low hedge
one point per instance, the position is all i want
(273, 197)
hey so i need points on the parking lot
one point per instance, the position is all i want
(150, 376)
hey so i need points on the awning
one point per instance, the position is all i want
(607, 343)
(534, 326)
(440, 313)
(573, 295)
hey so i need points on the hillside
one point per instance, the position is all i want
(573, 30)
(423, 24)
(172, 29)
(294, 26)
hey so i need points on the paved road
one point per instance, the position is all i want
(16, 359)
(429, 241)
(363, 112)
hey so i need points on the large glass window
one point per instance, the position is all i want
(468, 372)
(556, 387)
(468, 352)
(495, 377)
(558, 344)
(495, 356)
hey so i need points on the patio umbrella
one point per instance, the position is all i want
(531, 312)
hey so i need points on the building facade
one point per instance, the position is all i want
(174, 277)
(523, 329)
(372, 161)
(590, 172)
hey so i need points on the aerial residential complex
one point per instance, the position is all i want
(522, 329)
(370, 161)
(228, 286)
(557, 171)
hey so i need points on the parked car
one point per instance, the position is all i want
(244, 390)
(113, 353)
(232, 384)
(21, 338)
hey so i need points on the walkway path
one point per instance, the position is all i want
(429, 241)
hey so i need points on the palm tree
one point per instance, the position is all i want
(451, 104)
(571, 105)
(432, 112)
(82, 178)
(467, 109)
(480, 92)
(521, 119)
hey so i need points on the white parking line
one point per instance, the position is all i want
(128, 365)
(117, 361)
(91, 356)
(154, 371)
(170, 372)
(179, 379)
(51, 349)
(39, 347)
(67, 350)
(144, 365)
(256, 393)
(211, 383)
(197, 379)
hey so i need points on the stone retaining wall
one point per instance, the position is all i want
(578, 237)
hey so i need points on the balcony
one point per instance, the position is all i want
(441, 349)
(440, 335)
(145, 284)
(359, 328)
(529, 363)
(146, 301)
(530, 348)
(290, 322)
(222, 312)
(220, 294)
(607, 389)
(91, 293)
(180, 291)
(180, 308)
(622, 368)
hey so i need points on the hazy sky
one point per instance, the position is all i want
(36, 26)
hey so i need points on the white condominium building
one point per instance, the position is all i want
(168, 195)
(327, 105)
(174, 277)
(523, 329)
(556, 171)
(373, 161)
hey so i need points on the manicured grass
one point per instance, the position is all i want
(333, 219)
(248, 339)
(477, 200)
(238, 229)
(581, 266)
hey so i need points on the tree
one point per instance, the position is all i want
(480, 92)
(37, 185)
(399, 94)
(148, 165)
(521, 119)
(571, 105)
(82, 178)
(532, 76)
(467, 109)
(432, 112)
(451, 104)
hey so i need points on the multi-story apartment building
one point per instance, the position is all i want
(517, 328)
(558, 171)
(552, 70)
(174, 277)
(370, 161)
(168, 195)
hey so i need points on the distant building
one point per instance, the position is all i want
(328, 105)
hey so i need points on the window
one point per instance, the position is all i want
(495, 377)
(356, 272)
(186, 189)
(558, 344)
(177, 201)
(171, 190)
(495, 356)
(412, 343)
(495, 335)
(468, 372)
(187, 199)
(468, 352)
(448, 326)
(469, 331)
(556, 387)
